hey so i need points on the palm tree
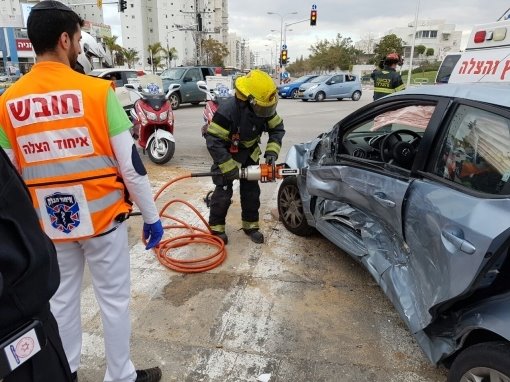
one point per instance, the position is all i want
(111, 45)
(131, 55)
(169, 54)
(154, 50)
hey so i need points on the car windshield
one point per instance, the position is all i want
(96, 73)
(319, 79)
(302, 79)
(173, 74)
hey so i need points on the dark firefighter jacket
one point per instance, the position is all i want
(29, 273)
(235, 117)
(387, 81)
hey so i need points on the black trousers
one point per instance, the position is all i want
(50, 364)
(221, 199)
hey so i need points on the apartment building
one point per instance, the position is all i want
(180, 24)
(435, 34)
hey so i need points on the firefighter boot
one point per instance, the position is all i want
(148, 375)
(222, 235)
(255, 235)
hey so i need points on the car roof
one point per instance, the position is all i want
(494, 93)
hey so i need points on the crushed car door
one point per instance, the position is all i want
(456, 212)
(360, 199)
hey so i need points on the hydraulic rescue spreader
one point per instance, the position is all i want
(262, 172)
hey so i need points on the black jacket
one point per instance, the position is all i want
(386, 81)
(29, 273)
(235, 117)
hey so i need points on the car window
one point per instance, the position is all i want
(349, 78)
(337, 79)
(415, 118)
(173, 74)
(319, 79)
(194, 74)
(475, 152)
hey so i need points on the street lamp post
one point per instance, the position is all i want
(281, 33)
(412, 46)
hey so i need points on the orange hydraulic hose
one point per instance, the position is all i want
(196, 235)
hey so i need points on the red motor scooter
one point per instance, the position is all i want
(153, 118)
(213, 100)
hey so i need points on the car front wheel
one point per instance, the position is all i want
(485, 362)
(320, 96)
(175, 101)
(293, 93)
(290, 208)
(356, 95)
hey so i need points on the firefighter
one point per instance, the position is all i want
(233, 141)
(387, 80)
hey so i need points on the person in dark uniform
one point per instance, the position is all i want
(29, 276)
(233, 141)
(387, 80)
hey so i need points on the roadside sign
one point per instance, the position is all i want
(284, 46)
(314, 7)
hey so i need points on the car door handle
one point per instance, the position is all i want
(381, 198)
(459, 242)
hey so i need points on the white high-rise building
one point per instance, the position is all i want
(174, 24)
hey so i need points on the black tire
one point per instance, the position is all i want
(304, 100)
(175, 100)
(478, 360)
(293, 93)
(356, 95)
(290, 208)
(164, 154)
(320, 96)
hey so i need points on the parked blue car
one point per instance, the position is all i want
(290, 90)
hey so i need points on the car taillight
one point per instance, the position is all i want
(480, 36)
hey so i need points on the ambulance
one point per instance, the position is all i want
(486, 58)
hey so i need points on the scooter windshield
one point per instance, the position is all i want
(155, 101)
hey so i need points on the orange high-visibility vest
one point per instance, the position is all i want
(55, 119)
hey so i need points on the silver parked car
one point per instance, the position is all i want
(416, 187)
(332, 86)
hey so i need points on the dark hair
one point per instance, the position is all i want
(46, 23)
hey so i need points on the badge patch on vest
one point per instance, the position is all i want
(64, 211)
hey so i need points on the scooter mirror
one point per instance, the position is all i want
(130, 86)
(172, 89)
(202, 86)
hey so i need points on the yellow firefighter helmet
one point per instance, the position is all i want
(259, 89)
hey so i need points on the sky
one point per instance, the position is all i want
(357, 19)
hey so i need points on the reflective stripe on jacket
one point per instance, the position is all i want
(55, 119)
(232, 117)
(386, 82)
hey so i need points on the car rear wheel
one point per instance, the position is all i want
(290, 208)
(485, 362)
(356, 95)
(293, 93)
(320, 96)
(175, 101)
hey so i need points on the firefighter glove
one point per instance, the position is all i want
(152, 233)
(270, 158)
(231, 175)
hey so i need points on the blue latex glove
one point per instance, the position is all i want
(152, 233)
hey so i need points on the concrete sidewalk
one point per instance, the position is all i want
(295, 308)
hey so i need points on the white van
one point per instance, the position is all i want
(486, 58)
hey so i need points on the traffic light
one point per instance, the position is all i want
(313, 17)
(122, 5)
(284, 57)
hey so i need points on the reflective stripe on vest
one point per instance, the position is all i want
(67, 168)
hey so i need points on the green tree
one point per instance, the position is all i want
(131, 55)
(112, 46)
(388, 44)
(420, 49)
(154, 51)
(214, 52)
(429, 52)
(337, 53)
(169, 54)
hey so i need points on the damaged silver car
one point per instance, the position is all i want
(416, 187)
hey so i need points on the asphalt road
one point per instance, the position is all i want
(294, 309)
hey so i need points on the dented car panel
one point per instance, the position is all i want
(432, 231)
